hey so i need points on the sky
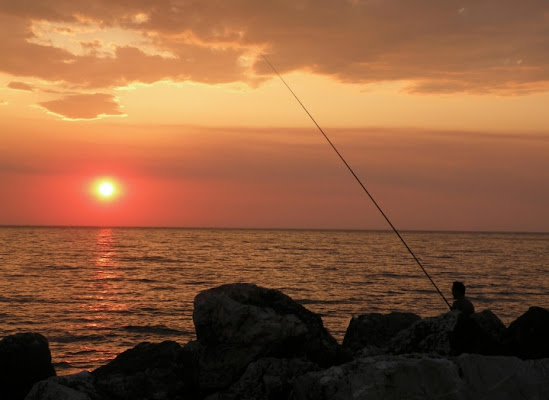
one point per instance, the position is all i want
(440, 108)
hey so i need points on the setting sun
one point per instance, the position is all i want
(105, 189)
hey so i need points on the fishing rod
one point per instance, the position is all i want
(359, 181)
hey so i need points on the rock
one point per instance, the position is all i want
(25, 359)
(452, 334)
(71, 387)
(247, 315)
(504, 378)
(157, 371)
(257, 343)
(216, 367)
(237, 324)
(382, 377)
(148, 371)
(490, 334)
(376, 329)
(267, 379)
(528, 335)
(429, 335)
(469, 376)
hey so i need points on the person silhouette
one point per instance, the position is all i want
(461, 302)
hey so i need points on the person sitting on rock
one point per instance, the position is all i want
(461, 302)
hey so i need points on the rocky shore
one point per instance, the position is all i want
(257, 343)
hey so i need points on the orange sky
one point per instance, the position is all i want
(440, 107)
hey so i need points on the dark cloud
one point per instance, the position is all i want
(83, 106)
(481, 46)
(21, 86)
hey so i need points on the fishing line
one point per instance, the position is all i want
(359, 181)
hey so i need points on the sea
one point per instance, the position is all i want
(96, 292)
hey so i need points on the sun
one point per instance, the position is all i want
(105, 189)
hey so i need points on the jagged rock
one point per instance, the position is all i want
(468, 376)
(528, 335)
(148, 371)
(376, 329)
(267, 379)
(79, 386)
(237, 324)
(25, 359)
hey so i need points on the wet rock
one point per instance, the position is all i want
(528, 335)
(25, 359)
(237, 324)
(376, 329)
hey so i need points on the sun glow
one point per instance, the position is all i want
(105, 189)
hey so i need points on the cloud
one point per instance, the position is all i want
(474, 46)
(83, 106)
(21, 86)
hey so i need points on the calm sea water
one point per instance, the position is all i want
(95, 292)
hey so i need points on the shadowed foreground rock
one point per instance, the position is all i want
(376, 330)
(452, 334)
(529, 334)
(468, 376)
(257, 343)
(25, 359)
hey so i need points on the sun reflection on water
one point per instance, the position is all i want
(104, 288)
(105, 251)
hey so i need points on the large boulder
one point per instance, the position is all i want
(237, 324)
(528, 335)
(376, 329)
(25, 359)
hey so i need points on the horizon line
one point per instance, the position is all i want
(388, 230)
